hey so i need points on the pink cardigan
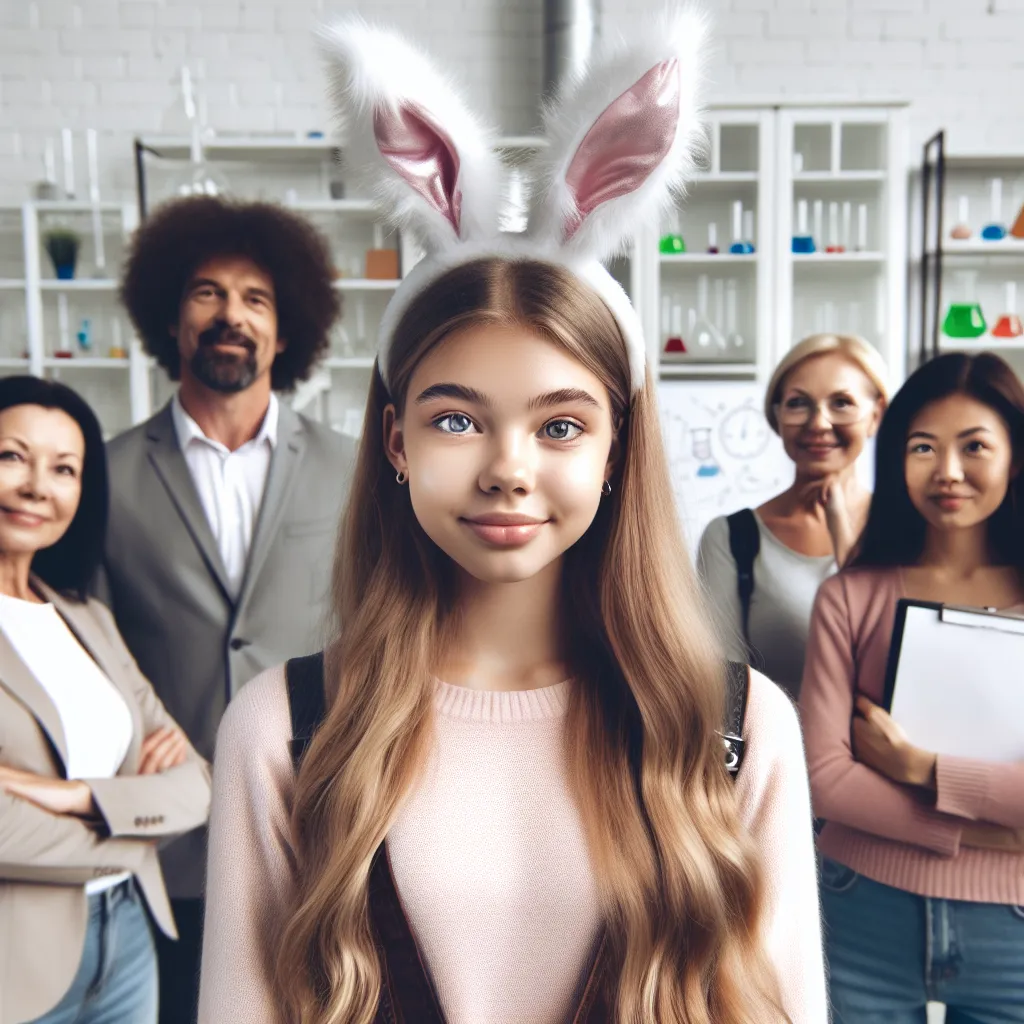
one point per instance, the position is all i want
(495, 778)
(895, 834)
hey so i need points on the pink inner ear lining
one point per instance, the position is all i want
(626, 143)
(423, 154)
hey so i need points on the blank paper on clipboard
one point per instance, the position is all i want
(955, 680)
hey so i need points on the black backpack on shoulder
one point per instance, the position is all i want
(744, 544)
(305, 678)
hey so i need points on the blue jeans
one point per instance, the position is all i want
(891, 952)
(116, 980)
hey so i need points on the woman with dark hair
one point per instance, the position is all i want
(922, 856)
(93, 771)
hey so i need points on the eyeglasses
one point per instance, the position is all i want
(839, 410)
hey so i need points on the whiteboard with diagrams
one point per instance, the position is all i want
(722, 454)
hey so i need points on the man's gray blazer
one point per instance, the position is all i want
(167, 587)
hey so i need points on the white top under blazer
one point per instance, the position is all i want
(96, 719)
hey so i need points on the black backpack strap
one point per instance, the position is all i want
(308, 706)
(305, 678)
(737, 681)
(744, 543)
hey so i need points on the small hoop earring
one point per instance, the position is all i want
(400, 477)
(606, 488)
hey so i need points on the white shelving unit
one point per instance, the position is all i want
(768, 158)
(737, 168)
(976, 269)
(855, 155)
(13, 297)
(41, 315)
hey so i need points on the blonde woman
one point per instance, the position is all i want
(516, 807)
(763, 567)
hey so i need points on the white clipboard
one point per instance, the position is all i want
(955, 680)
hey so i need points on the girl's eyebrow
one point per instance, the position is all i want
(564, 396)
(458, 391)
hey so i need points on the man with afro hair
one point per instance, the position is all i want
(224, 505)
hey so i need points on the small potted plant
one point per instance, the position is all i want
(62, 244)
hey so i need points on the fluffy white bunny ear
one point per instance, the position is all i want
(410, 137)
(623, 137)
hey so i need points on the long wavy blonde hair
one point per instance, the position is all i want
(680, 883)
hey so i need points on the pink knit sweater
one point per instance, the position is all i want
(892, 833)
(488, 856)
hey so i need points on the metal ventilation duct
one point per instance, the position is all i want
(570, 29)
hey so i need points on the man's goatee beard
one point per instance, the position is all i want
(226, 375)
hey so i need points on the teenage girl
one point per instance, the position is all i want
(517, 807)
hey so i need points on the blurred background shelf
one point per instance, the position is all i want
(684, 370)
(837, 177)
(84, 284)
(365, 284)
(352, 206)
(86, 363)
(707, 258)
(349, 362)
(825, 258)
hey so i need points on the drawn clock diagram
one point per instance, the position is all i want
(744, 432)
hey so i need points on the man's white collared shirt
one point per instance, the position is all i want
(230, 484)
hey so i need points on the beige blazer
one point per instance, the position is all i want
(46, 859)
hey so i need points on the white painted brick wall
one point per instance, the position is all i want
(111, 64)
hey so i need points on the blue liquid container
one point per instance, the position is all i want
(803, 244)
(84, 336)
(741, 248)
(993, 232)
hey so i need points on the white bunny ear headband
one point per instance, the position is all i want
(621, 139)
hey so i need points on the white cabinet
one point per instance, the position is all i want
(737, 312)
(72, 328)
(710, 305)
(970, 294)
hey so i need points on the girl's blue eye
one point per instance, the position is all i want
(454, 423)
(562, 430)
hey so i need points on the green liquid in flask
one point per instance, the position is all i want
(964, 320)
